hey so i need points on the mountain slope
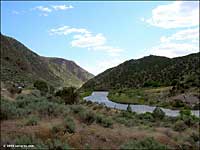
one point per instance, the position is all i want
(148, 71)
(19, 64)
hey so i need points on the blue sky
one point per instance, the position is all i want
(100, 35)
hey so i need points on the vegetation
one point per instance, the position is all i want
(150, 71)
(32, 120)
(85, 94)
(129, 109)
(69, 125)
(30, 140)
(158, 113)
(147, 143)
(159, 96)
(41, 86)
(40, 144)
(68, 94)
(56, 122)
(180, 126)
(48, 118)
(20, 65)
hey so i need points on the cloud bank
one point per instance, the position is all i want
(82, 38)
(182, 17)
(175, 15)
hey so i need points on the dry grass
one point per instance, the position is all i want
(94, 136)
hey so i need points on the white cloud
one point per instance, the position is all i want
(171, 49)
(43, 14)
(95, 42)
(102, 65)
(83, 38)
(62, 7)
(65, 30)
(113, 51)
(43, 9)
(176, 45)
(88, 40)
(16, 12)
(176, 14)
(180, 43)
(46, 10)
(187, 34)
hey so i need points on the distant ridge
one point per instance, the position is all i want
(149, 70)
(20, 65)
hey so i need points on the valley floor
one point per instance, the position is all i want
(160, 96)
(46, 123)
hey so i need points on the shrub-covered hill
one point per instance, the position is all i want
(150, 71)
(20, 65)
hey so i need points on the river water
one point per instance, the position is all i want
(101, 98)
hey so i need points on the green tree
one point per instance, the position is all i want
(129, 109)
(158, 113)
(42, 86)
(68, 94)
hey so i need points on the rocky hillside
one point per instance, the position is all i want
(20, 65)
(150, 71)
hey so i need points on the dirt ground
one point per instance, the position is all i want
(89, 136)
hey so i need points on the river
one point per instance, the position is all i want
(101, 98)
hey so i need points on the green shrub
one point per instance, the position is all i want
(188, 118)
(144, 144)
(179, 126)
(195, 137)
(129, 109)
(32, 120)
(30, 140)
(69, 125)
(178, 103)
(57, 144)
(99, 118)
(41, 86)
(29, 104)
(127, 114)
(35, 93)
(55, 99)
(127, 122)
(69, 95)
(57, 128)
(9, 110)
(51, 89)
(87, 117)
(90, 117)
(174, 82)
(158, 113)
(107, 122)
(77, 109)
(151, 84)
(185, 112)
(147, 116)
(23, 100)
(45, 108)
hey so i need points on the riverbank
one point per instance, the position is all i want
(94, 126)
(100, 97)
(160, 97)
(48, 123)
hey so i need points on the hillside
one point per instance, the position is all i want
(150, 71)
(20, 65)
